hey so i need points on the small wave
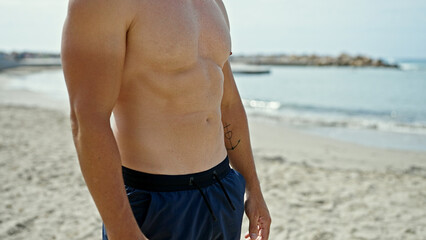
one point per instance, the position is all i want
(304, 115)
(409, 67)
(335, 110)
(272, 105)
(413, 65)
(275, 105)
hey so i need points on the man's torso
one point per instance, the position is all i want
(167, 116)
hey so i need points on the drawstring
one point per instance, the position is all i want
(223, 189)
(215, 176)
(192, 182)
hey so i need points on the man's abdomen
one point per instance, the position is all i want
(168, 128)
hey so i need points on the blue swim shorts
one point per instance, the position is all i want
(207, 205)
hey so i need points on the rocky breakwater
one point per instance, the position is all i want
(312, 60)
(29, 59)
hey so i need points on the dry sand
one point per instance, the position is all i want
(316, 188)
(319, 188)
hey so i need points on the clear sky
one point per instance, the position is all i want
(377, 28)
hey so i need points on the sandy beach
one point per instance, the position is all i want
(316, 188)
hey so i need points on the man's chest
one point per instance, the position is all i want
(176, 33)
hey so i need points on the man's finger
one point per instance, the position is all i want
(253, 229)
(265, 224)
(247, 236)
(264, 232)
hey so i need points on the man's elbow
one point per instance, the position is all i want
(232, 107)
(84, 120)
(74, 124)
(231, 103)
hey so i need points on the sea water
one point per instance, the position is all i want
(382, 107)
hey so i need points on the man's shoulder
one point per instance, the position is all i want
(220, 4)
(99, 7)
(97, 3)
(223, 9)
(101, 12)
(88, 4)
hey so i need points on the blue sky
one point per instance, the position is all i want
(377, 28)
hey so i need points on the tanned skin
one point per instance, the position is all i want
(161, 68)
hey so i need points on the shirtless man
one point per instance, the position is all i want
(161, 67)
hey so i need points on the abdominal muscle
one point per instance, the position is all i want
(170, 123)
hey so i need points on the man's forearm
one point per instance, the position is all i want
(101, 167)
(237, 142)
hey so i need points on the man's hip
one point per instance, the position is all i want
(205, 205)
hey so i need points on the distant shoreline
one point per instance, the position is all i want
(29, 59)
(19, 59)
(312, 60)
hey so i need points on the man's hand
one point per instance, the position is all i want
(258, 215)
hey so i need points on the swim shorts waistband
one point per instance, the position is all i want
(166, 183)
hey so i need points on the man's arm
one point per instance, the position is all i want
(93, 53)
(237, 142)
